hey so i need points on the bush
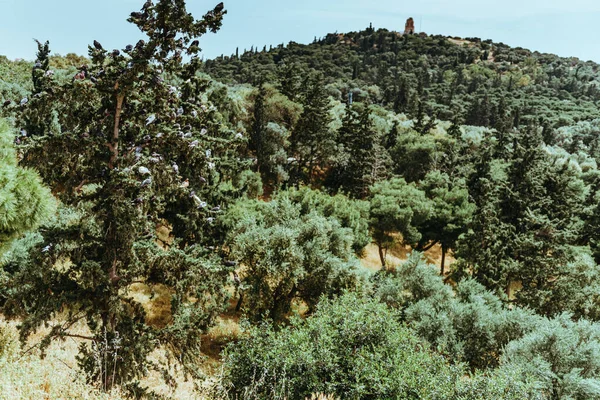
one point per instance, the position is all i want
(353, 348)
(505, 383)
(468, 325)
(288, 256)
(563, 355)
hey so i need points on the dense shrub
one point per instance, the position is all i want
(352, 347)
(563, 355)
(468, 324)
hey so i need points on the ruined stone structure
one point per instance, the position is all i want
(409, 29)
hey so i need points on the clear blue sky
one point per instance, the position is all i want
(566, 28)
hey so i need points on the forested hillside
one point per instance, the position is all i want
(207, 228)
(488, 84)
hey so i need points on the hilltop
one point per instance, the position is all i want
(488, 83)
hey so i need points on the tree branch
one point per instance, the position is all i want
(73, 335)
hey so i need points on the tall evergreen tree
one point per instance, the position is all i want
(311, 142)
(361, 163)
(259, 126)
(137, 149)
(290, 81)
(269, 141)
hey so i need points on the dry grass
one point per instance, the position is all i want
(54, 377)
(460, 42)
(156, 301)
(57, 375)
(399, 253)
(321, 396)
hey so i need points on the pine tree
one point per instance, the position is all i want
(290, 81)
(450, 216)
(41, 67)
(268, 141)
(402, 96)
(137, 149)
(39, 118)
(24, 202)
(392, 137)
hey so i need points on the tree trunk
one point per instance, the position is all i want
(429, 246)
(443, 259)
(238, 306)
(381, 256)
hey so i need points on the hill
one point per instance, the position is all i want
(487, 83)
(214, 219)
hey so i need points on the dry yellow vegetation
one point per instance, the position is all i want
(57, 377)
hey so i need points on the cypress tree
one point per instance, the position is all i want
(361, 164)
(137, 149)
(311, 140)
(259, 126)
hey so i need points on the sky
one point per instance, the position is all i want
(563, 27)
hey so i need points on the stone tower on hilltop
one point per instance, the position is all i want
(409, 29)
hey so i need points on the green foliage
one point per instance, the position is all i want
(136, 146)
(451, 212)
(562, 355)
(504, 383)
(142, 139)
(312, 142)
(361, 162)
(25, 202)
(530, 206)
(396, 207)
(470, 325)
(508, 86)
(352, 214)
(414, 154)
(287, 255)
(352, 347)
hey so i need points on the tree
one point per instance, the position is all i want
(561, 355)
(137, 149)
(396, 207)
(466, 323)
(360, 165)
(259, 125)
(269, 141)
(528, 216)
(483, 250)
(311, 140)
(352, 214)
(391, 138)
(290, 81)
(39, 117)
(25, 202)
(415, 154)
(450, 215)
(288, 255)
